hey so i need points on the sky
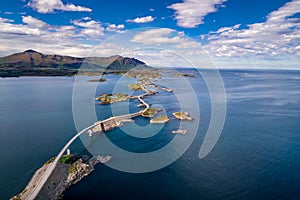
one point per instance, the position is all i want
(224, 33)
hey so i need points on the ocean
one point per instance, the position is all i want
(256, 157)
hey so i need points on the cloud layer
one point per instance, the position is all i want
(278, 36)
(48, 6)
(190, 13)
(141, 19)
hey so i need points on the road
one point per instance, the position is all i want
(51, 167)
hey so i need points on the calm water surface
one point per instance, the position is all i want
(257, 156)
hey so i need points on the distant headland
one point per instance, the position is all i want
(33, 63)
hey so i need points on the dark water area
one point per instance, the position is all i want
(256, 157)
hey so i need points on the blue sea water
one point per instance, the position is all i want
(256, 157)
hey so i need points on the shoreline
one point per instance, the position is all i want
(63, 176)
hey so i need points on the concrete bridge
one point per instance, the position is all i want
(104, 125)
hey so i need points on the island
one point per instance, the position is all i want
(51, 180)
(150, 112)
(135, 86)
(183, 116)
(160, 120)
(97, 80)
(112, 98)
(186, 75)
(180, 131)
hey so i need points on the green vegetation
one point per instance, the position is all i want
(112, 98)
(134, 86)
(73, 168)
(24, 191)
(178, 114)
(98, 80)
(160, 120)
(186, 75)
(50, 161)
(18, 197)
(32, 63)
(143, 74)
(182, 116)
(150, 112)
(67, 159)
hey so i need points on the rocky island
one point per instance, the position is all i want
(160, 120)
(112, 98)
(186, 75)
(180, 131)
(70, 169)
(183, 116)
(150, 112)
(98, 80)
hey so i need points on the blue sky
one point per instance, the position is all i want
(234, 33)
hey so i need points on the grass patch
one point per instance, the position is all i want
(67, 159)
(159, 120)
(150, 112)
(73, 168)
(112, 98)
(98, 80)
(135, 86)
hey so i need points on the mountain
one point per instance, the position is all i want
(33, 63)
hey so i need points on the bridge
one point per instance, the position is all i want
(104, 125)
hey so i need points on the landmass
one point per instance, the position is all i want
(98, 80)
(145, 74)
(160, 120)
(150, 112)
(70, 170)
(183, 116)
(186, 75)
(112, 98)
(180, 131)
(135, 86)
(33, 63)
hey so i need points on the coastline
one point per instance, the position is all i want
(63, 176)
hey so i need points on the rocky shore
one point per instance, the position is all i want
(64, 175)
(183, 116)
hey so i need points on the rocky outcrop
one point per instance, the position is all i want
(79, 170)
(63, 176)
(183, 116)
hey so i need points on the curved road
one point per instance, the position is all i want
(52, 165)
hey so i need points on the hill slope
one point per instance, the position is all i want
(33, 63)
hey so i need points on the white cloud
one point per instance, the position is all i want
(115, 28)
(4, 20)
(141, 19)
(278, 36)
(41, 36)
(86, 18)
(48, 6)
(33, 22)
(164, 36)
(10, 29)
(90, 29)
(225, 29)
(190, 13)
